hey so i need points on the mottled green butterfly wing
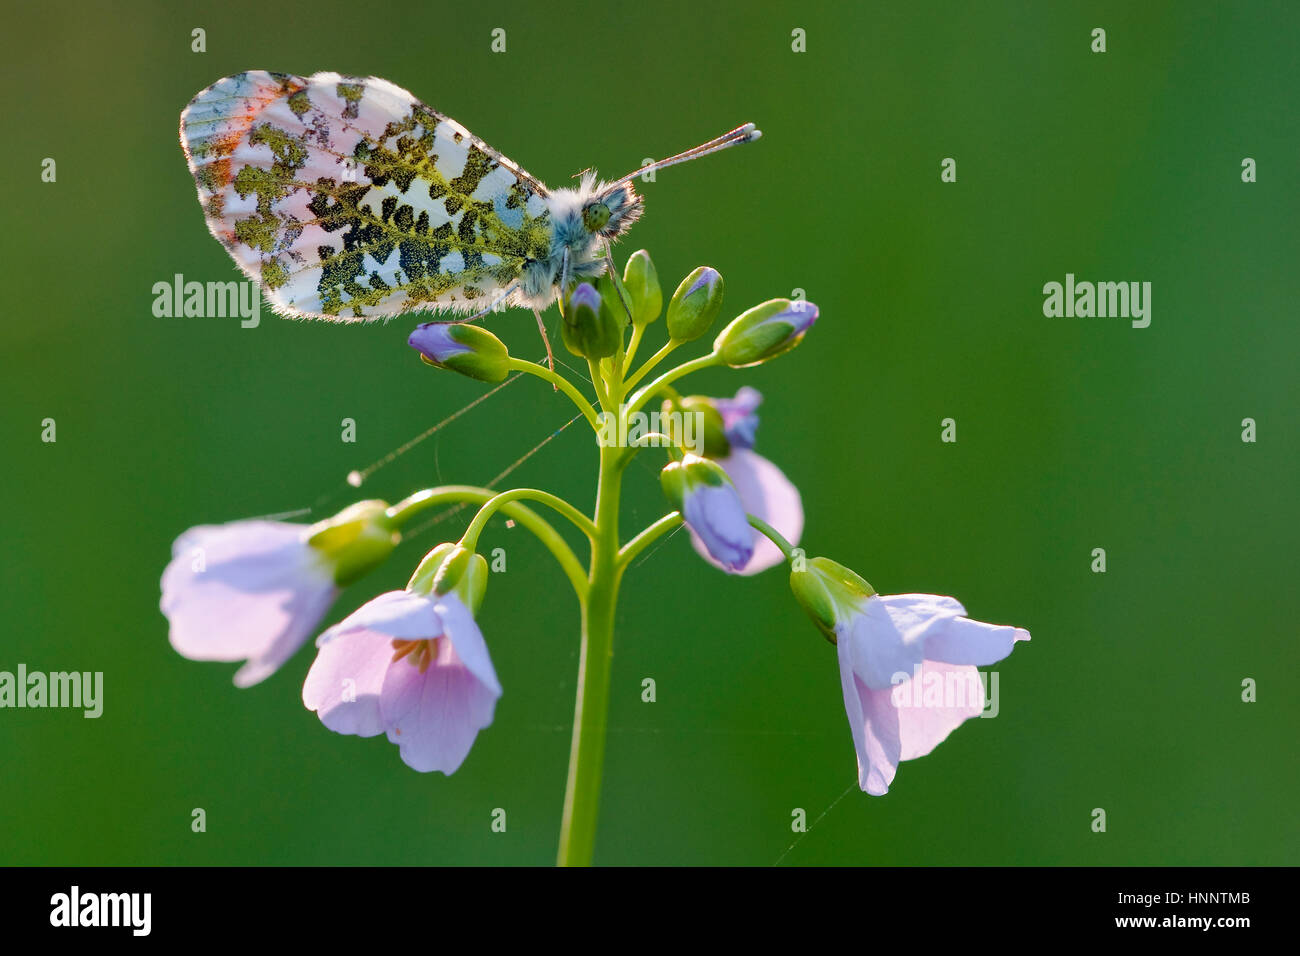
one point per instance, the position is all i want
(347, 199)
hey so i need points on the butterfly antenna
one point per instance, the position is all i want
(741, 134)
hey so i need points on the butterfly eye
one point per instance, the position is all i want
(595, 216)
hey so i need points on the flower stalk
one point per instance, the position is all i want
(413, 664)
(596, 654)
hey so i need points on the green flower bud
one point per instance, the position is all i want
(642, 285)
(422, 579)
(590, 328)
(464, 572)
(673, 481)
(764, 332)
(695, 304)
(448, 568)
(695, 423)
(356, 540)
(692, 472)
(828, 591)
(466, 349)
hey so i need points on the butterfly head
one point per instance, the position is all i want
(612, 210)
(595, 210)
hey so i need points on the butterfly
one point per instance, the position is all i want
(348, 200)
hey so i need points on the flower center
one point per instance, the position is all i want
(421, 653)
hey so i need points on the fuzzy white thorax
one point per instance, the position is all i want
(572, 239)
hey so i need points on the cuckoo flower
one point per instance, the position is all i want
(886, 641)
(730, 428)
(254, 591)
(413, 665)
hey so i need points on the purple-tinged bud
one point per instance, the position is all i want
(740, 416)
(695, 304)
(466, 349)
(589, 331)
(764, 332)
(710, 507)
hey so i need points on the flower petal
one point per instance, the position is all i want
(459, 625)
(249, 590)
(917, 616)
(717, 519)
(873, 721)
(963, 641)
(237, 538)
(305, 611)
(766, 493)
(740, 416)
(346, 680)
(881, 652)
(395, 614)
(434, 717)
(934, 703)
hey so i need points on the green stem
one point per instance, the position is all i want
(591, 709)
(562, 383)
(598, 380)
(652, 361)
(653, 440)
(402, 512)
(640, 396)
(499, 501)
(637, 333)
(773, 535)
(648, 537)
(610, 373)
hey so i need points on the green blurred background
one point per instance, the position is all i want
(1072, 433)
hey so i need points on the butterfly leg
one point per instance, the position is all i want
(550, 356)
(618, 286)
(564, 277)
(496, 303)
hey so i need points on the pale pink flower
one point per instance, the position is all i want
(886, 641)
(255, 590)
(412, 666)
(249, 591)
